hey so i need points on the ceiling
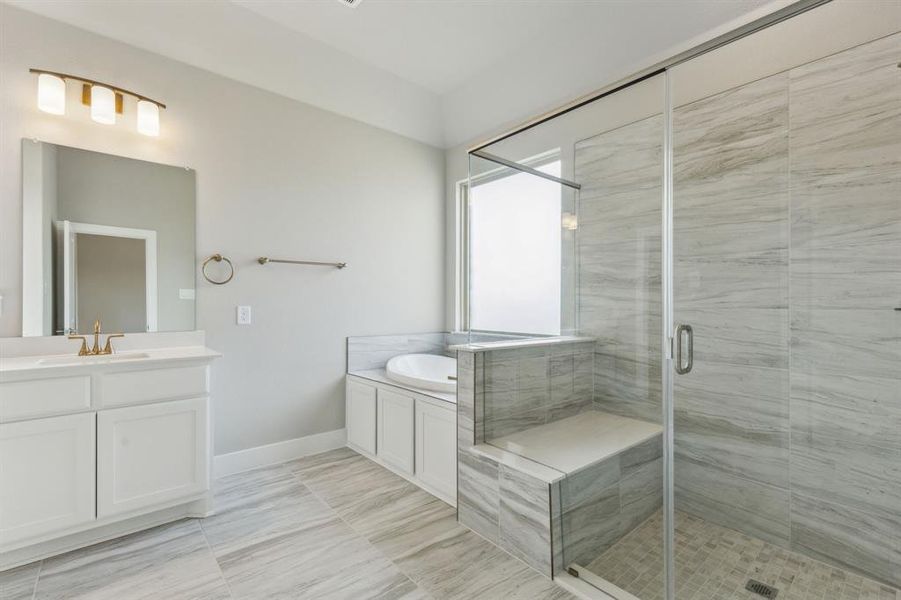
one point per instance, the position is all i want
(436, 44)
(440, 71)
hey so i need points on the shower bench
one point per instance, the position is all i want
(561, 493)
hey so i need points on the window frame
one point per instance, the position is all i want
(462, 316)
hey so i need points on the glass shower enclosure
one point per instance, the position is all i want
(731, 251)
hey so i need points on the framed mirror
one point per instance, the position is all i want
(105, 237)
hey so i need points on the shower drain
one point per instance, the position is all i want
(760, 588)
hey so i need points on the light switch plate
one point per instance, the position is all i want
(243, 315)
(186, 293)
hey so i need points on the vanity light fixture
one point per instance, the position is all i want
(103, 105)
(51, 94)
(106, 101)
(148, 118)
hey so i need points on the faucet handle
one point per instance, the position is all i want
(108, 348)
(84, 344)
(97, 326)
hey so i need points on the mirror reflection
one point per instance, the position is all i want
(105, 237)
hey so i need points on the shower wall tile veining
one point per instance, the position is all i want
(530, 387)
(731, 253)
(619, 261)
(787, 264)
(845, 400)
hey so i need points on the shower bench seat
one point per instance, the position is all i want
(566, 490)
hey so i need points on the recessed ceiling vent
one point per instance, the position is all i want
(351, 3)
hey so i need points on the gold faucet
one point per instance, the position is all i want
(95, 350)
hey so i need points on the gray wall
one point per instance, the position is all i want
(111, 190)
(787, 235)
(274, 177)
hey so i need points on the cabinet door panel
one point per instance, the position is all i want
(46, 476)
(395, 420)
(151, 454)
(360, 408)
(436, 447)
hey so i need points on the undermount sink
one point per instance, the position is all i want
(87, 360)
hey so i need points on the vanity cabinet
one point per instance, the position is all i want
(46, 476)
(151, 454)
(96, 448)
(409, 433)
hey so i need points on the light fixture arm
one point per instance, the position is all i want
(115, 88)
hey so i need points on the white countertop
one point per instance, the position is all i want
(576, 442)
(380, 376)
(15, 366)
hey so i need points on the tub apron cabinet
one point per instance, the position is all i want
(409, 433)
(92, 450)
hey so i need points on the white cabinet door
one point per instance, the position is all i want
(436, 447)
(46, 476)
(151, 455)
(360, 417)
(396, 430)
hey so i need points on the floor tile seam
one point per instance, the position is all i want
(360, 535)
(37, 577)
(216, 560)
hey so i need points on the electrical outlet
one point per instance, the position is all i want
(243, 315)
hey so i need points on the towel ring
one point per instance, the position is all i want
(218, 258)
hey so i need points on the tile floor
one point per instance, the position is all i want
(330, 526)
(715, 563)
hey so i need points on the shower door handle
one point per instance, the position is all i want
(682, 331)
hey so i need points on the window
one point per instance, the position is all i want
(514, 228)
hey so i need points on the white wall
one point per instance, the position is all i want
(39, 196)
(274, 177)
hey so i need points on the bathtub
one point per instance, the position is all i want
(426, 371)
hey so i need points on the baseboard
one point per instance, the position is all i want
(261, 456)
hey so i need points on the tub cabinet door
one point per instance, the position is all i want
(436, 448)
(360, 408)
(395, 430)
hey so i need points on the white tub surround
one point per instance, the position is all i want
(410, 431)
(426, 371)
(92, 448)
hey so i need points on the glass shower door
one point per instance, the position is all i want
(787, 267)
(612, 529)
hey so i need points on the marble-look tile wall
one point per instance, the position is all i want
(501, 392)
(845, 280)
(526, 387)
(619, 264)
(605, 501)
(787, 240)
(373, 351)
(731, 254)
